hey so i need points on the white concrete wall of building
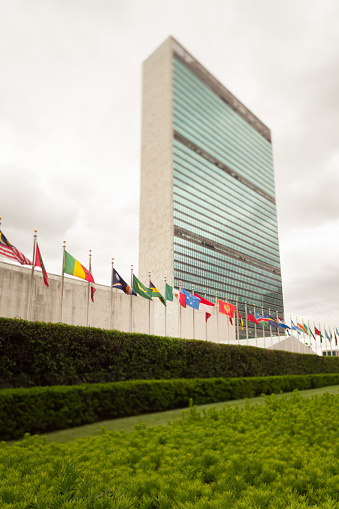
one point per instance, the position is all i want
(110, 310)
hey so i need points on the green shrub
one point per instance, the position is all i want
(37, 353)
(42, 409)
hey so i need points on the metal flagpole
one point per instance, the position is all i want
(166, 305)
(237, 321)
(110, 318)
(302, 322)
(292, 334)
(131, 304)
(149, 304)
(62, 279)
(269, 312)
(179, 310)
(205, 319)
(276, 313)
(216, 300)
(321, 344)
(89, 284)
(228, 326)
(193, 315)
(255, 328)
(296, 319)
(29, 300)
(246, 323)
(315, 341)
(263, 326)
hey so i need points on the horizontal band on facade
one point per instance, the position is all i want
(199, 239)
(182, 139)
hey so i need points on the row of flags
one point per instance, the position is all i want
(73, 267)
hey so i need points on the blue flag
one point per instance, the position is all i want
(272, 322)
(191, 300)
(326, 334)
(295, 327)
(120, 284)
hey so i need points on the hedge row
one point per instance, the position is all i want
(43, 409)
(37, 353)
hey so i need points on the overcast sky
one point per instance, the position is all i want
(70, 124)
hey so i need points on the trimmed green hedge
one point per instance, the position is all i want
(38, 353)
(43, 409)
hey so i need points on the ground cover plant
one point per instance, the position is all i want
(37, 353)
(282, 454)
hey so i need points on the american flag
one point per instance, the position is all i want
(10, 251)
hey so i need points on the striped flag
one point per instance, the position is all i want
(40, 263)
(7, 249)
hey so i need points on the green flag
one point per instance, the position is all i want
(141, 289)
(169, 293)
(156, 293)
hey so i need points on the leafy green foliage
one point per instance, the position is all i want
(37, 353)
(42, 409)
(279, 455)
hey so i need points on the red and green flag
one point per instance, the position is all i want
(40, 263)
(74, 268)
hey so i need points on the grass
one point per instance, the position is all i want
(128, 424)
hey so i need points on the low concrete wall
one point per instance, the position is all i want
(28, 298)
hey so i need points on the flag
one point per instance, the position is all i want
(156, 293)
(141, 289)
(93, 290)
(7, 249)
(226, 309)
(337, 331)
(318, 333)
(295, 327)
(271, 321)
(326, 334)
(335, 339)
(74, 268)
(180, 297)
(301, 327)
(307, 329)
(282, 324)
(40, 263)
(205, 305)
(261, 318)
(240, 320)
(169, 293)
(252, 318)
(191, 300)
(120, 284)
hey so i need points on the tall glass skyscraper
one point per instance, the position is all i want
(207, 211)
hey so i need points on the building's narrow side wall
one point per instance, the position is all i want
(156, 184)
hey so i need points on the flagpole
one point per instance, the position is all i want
(237, 321)
(62, 278)
(315, 335)
(179, 310)
(205, 319)
(269, 312)
(246, 323)
(166, 305)
(228, 325)
(216, 299)
(29, 300)
(255, 327)
(110, 318)
(278, 327)
(88, 285)
(263, 326)
(296, 319)
(321, 343)
(131, 303)
(149, 304)
(193, 315)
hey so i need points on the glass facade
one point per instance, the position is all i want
(225, 223)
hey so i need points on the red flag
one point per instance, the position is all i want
(226, 309)
(251, 318)
(180, 296)
(317, 331)
(40, 263)
(335, 337)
